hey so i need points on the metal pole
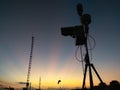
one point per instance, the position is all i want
(97, 73)
(30, 62)
(83, 86)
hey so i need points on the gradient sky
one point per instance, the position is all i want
(54, 54)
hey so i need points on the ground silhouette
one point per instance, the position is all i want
(113, 85)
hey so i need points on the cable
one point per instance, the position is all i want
(76, 51)
(91, 48)
(81, 54)
(82, 60)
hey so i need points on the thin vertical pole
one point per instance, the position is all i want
(40, 83)
(30, 62)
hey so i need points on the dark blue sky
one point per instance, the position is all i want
(20, 19)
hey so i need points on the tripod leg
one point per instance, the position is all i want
(96, 73)
(84, 77)
(90, 76)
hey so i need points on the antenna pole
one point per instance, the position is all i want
(40, 83)
(30, 62)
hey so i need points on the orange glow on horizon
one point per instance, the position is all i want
(70, 73)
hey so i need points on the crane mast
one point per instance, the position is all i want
(30, 62)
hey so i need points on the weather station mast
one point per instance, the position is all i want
(81, 33)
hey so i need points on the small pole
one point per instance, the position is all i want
(39, 83)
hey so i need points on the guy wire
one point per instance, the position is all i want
(81, 54)
(82, 59)
(76, 53)
(91, 48)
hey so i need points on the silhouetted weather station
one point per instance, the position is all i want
(80, 33)
(59, 45)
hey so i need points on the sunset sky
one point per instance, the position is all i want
(54, 54)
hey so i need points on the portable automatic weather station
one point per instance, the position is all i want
(80, 33)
